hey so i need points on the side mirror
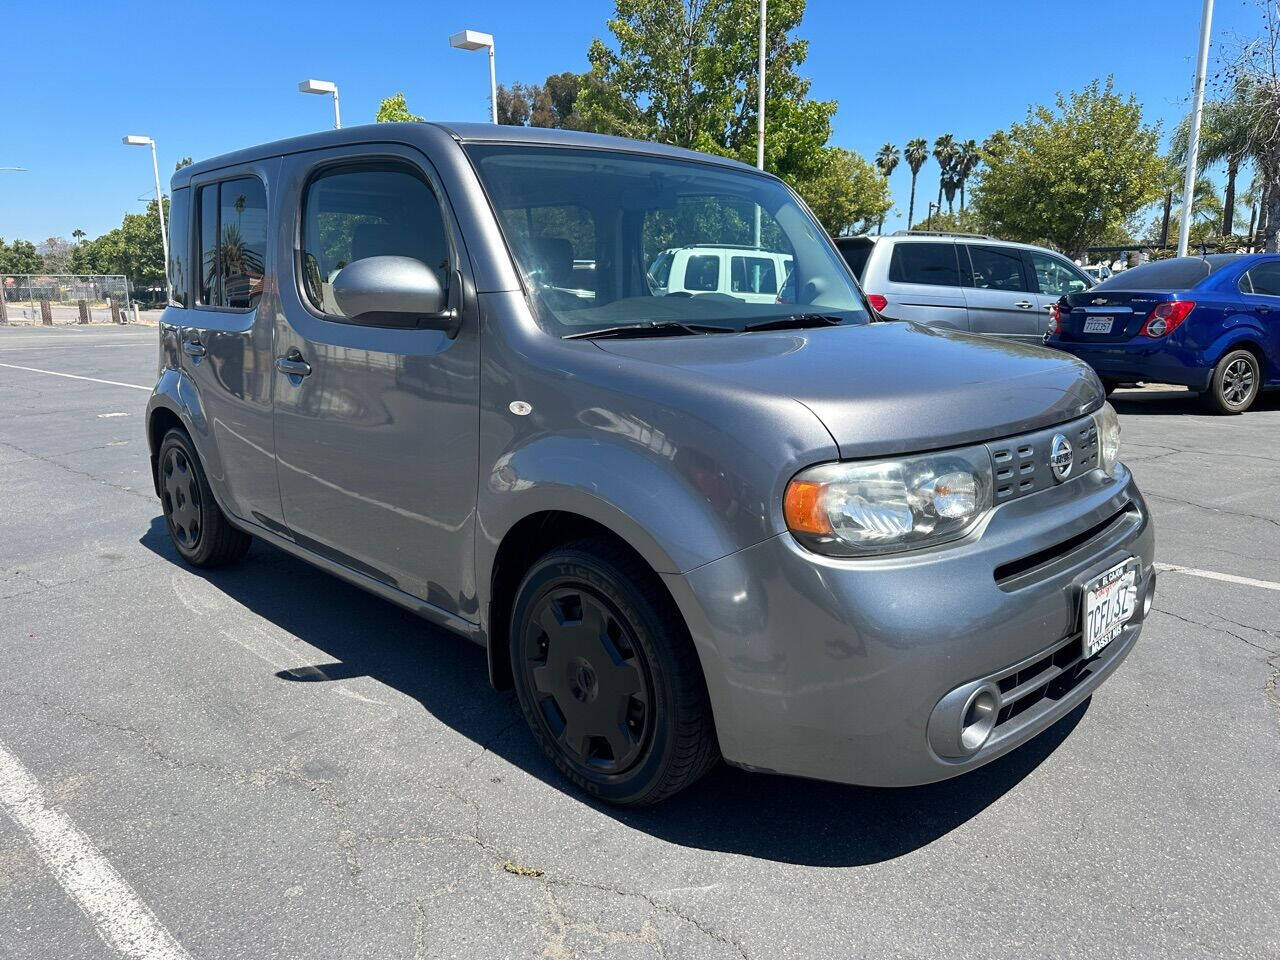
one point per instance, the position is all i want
(394, 292)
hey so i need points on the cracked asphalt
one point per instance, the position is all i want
(279, 765)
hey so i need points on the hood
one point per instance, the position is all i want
(885, 388)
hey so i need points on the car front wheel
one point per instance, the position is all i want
(607, 676)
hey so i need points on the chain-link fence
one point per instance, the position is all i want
(49, 299)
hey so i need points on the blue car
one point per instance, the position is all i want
(1209, 323)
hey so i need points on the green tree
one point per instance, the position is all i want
(184, 162)
(967, 159)
(1064, 176)
(393, 109)
(684, 72)
(848, 195)
(916, 155)
(1252, 71)
(20, 256)
(1226, 136)
(886, 161)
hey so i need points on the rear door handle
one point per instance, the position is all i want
(1024, 304)
(293, 365)
(193, 347)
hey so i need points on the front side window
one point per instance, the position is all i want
(646, 239)
(380, 209)
(996, 269)
(1264, 280)
(1055, 278)
(233, 243)
(928, 263)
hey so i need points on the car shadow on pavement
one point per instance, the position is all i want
(1176, 403)
(760, 815)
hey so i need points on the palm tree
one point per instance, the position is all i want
(944, 151)
(916, 155)
(886, 161)
(967, 161)
(1227, 133)
(78, 235)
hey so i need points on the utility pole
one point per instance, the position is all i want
(760, 78)
(1193, 146)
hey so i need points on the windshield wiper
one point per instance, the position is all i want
(796, 320)
(652, 328)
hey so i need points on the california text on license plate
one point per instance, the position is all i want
(1109, 602)
(1098, 324)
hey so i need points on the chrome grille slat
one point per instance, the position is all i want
(1022, 463)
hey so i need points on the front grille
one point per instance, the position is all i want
(1034, 566)
(1022, 463)
(1053, 676)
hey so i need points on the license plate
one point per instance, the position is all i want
(1109, 602)
(1098, 324)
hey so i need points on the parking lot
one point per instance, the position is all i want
(266, 762)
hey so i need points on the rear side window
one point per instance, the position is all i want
(233, 243)
(753, 275)
(702, 272)
(379, 209)
(179, 247)
(931, 263)
(1264, 279)
(997, 269)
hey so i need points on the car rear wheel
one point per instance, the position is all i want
(197, 526)
(1236, 381)
(607, 676)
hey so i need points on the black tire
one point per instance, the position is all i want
(197, 526)
(590, 623)
(1236, 382)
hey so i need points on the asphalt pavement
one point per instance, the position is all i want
(265, 762)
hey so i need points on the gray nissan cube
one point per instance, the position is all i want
(745, 519)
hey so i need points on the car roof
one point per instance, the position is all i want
(927, 236)
(416, 133)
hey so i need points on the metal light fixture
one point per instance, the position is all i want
(475, 40)
(133, 140)
(324, 87)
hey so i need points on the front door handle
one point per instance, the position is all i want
(1024, 304)
(293, 365)
(193, 347)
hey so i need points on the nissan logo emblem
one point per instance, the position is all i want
(1061, 457)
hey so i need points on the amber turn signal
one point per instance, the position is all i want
(802, 507)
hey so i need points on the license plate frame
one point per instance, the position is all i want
(1107, 604)
(1099, 324)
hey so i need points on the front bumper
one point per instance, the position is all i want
(1140, 359)
(832, 669)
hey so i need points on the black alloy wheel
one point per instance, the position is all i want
(607, 676)
(1236, 381)
(200, 531)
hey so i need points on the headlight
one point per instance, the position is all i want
(882, 506)
(1108, 439)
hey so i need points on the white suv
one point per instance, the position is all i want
(745, 273)
(964, 281)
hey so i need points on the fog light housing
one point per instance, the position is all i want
(963, 721)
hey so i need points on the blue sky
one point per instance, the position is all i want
(899, 69)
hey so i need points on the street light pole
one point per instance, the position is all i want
(324, 87)
(137, 141)
(1193, 144)
(760, 78)
(475, 40)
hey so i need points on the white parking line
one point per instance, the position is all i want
(124, 922)
(73, 376)
(1214, 575)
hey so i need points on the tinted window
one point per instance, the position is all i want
(233, 243)
(1179, 273)
(179, 246)
(752, 275)
(1055, 277)
(933, 263)
(558, 243)
(702, 272)
(1264, 279)
(996, 269)
(209, 245)
(369, 210)
(856, 256)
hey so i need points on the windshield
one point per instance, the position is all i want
(607, 239)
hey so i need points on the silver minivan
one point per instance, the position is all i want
(430, 359)
(963, 281)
